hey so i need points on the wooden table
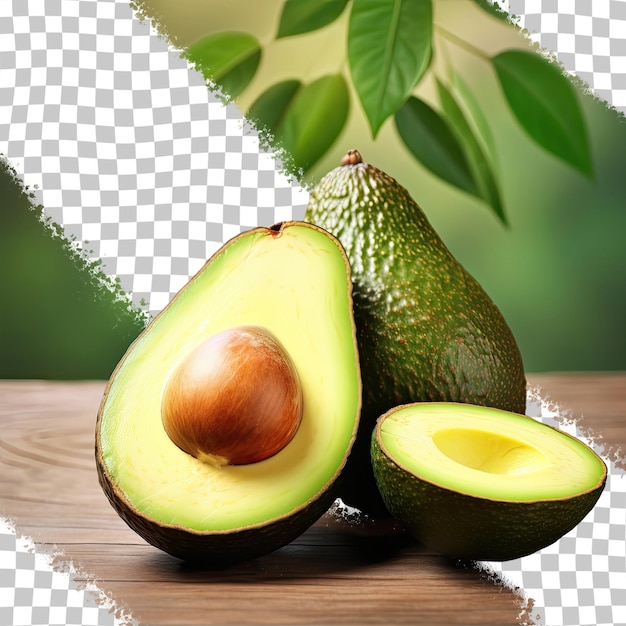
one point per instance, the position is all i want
(333, 574)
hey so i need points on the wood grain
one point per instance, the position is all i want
(336, 572)
(597, 401)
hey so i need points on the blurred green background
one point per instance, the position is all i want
(57, 319)
(558, 272)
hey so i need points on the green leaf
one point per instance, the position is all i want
(229, 59)
(270, 107)
(389, 51)
(475, 115)
(313, 120)
(432, 142)
(493, 9)
(303, 16)
(479, 165)
(545, 103)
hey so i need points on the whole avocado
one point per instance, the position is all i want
(426, 330)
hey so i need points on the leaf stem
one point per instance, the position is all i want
(461, 43)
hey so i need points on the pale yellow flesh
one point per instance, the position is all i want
(489, 453)
(296, 286)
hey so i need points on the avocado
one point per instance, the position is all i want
(277, 298)
(479, 483)
(426, 329)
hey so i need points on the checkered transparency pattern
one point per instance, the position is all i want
(150, 173)
(131, 153)
(587, 36)
(581, 579)
(33, 592)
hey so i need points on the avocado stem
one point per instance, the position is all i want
(276, 229)
(352, 157)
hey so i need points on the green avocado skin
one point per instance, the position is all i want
(426, 329)
(217, 549)
(466, 527)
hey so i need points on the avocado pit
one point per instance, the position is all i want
(235, 399)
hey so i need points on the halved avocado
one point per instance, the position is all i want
(293, 280)
(481, 483)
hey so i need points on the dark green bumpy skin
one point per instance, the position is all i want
(426, 329)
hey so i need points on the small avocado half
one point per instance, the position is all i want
(293, 280)
(480, 483)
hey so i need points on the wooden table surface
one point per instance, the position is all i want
(335, 573)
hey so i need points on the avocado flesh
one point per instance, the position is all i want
(426, 329)
(481, 483)
(294, 281)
